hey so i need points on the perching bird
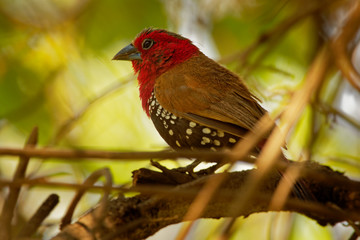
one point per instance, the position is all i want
(194, 102)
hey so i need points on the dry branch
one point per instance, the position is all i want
(8, 208)
(35, 221)
(338, 199)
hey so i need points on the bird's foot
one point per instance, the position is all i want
(185, 174)
(189, 168)
(176, 175)
(210, 170)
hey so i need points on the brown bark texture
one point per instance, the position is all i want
(335, 198)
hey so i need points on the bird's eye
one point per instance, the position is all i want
(147, 43)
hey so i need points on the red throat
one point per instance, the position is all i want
(168, 50)
(146, 80)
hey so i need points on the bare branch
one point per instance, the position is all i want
(90, 180)
(341, 42)
(81, 155)
(12, 198)
(143, 215)
(43, 211)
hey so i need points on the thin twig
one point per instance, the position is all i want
(284, 187)
(276, 33)
(80, 155)
(240, 150)
(315, 118)
(86, 187)
(340, 44)
(308, 173)
(327, 109)
(43, 211)
(11, 200)
(272, 149)
(91, 180)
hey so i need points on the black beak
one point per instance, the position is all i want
(128, 53)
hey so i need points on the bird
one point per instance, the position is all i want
(194, 102)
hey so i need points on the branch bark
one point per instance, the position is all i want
(337, 199)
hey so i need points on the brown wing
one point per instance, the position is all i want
(202, 90)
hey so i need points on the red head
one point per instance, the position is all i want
(153, 52)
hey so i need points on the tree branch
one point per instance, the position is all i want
(338, 199)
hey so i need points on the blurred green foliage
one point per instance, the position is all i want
(56, 73)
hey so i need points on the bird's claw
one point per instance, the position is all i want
(185, 174)
(175, 175)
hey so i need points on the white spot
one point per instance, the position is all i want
(160, 107)
(232, 140)
(163, 114)
(213, 133)
(202, 143)
(206, 130)
(171, 121)
(217, 143)
(173, 116)
(177, 143)
(167, 117)
(220, 133)
(192, 124)
(166, 126)
(153, 103)
(213, 149)
(187, 137)
(188, 131)
(206, 139)
(171, 132)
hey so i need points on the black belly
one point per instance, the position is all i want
(181, 133)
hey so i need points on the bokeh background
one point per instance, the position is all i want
(56, 73)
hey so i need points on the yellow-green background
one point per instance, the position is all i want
(55, 65)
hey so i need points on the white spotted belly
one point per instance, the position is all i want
(181, 133)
